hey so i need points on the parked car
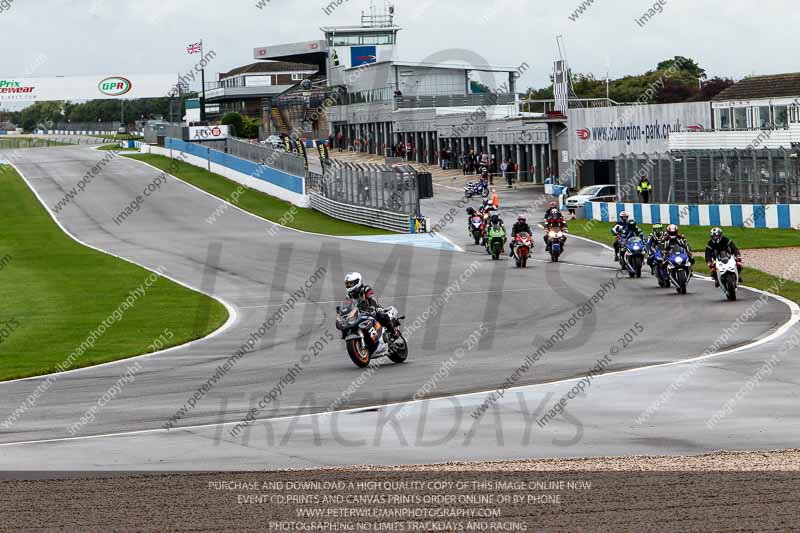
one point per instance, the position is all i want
(600, 193)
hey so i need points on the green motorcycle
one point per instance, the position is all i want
(495, 241)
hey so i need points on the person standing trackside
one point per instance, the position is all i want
(495, 200)
(644, 189)
(503, 170)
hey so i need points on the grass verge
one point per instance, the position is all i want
(56, 291)
(257, 202)
(745, 238)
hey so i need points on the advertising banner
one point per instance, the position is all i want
(605, 133)
(102, 86)
(208, 133)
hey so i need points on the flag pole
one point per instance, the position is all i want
(203, 84)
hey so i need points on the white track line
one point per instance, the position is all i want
(232, 313)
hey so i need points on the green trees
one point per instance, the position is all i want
(679, 79)
(244, 127)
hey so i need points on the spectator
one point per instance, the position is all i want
(504, 170)
(644, 189)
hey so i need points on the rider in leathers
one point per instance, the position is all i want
(675, 238)
(655, 239)
(616, 231)
(367, 302)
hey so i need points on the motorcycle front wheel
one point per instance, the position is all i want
(358, 352)
(682, 279)
(730, 287)
(399, 354)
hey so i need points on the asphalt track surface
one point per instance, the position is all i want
(243, 262)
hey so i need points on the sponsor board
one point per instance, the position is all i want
(208, 133)
(605, 133)
(102, 86)
(363, 55)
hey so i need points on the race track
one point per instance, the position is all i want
(243, 262)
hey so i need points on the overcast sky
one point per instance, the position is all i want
(727, 37)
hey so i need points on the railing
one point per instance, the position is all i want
(471, 100)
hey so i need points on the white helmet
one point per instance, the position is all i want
(352, 282)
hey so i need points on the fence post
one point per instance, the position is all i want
(208, 156)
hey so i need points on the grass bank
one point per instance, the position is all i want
(745, 238)
(56, 292)
(257, 202)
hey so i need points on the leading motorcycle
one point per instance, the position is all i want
(366, 339)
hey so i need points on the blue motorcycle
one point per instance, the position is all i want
(679, 266)
(632, 257)
(479, 188)
(659, 262)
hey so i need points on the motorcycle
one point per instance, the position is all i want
(660, 268)
(679, 268)
(728, 275)
(495, 241)
(522, 249)
(479, 188)
(632, 257)
(556, 239)
(366, 339)
(476, 228)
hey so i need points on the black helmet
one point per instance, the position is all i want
(631, 223)
(495, 219)
(470, 211)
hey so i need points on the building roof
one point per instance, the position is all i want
(268, 67)
(451, 65)
(755, 87)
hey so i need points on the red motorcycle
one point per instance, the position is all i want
(523, 244)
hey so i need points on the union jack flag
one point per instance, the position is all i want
(195, 48)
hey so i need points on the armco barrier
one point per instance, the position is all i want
(360, 215)
(253, 175)
(785, 216)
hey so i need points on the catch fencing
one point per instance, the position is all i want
(260, 153)
(764, 176)
(370, 186)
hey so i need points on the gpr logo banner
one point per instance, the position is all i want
(115, 86)
(584, 134)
